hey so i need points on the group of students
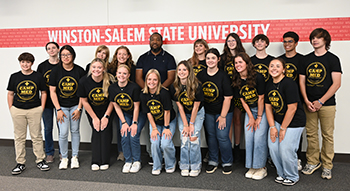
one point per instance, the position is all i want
(210, 90)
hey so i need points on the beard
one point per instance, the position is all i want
(155, 49)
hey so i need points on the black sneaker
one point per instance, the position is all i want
(288, 182)
(211, 169)
(150, 161)
(18, 169)
(43, 165)
(227, 169)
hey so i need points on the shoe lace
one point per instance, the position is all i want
(326, 171)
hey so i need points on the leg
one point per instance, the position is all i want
(237, 114)
(313, 149)
(260, 144)
(184, 151)
(126, 140)
(48, 126)
(274, 149)
(95, 143)
(156, 150)
(135, 141)
(20, 131)
(75, 134)
(168, 148)
(195, 144)
(249, 143)
(64, 128)
(225, 144)
(34, 122)
(106, 141)
(213, 146)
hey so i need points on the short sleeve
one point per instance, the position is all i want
(260, 82)
(228, 91)
(164, 96)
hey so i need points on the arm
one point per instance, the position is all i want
(139, 78)
(271, 121)
(224, 110)
(170, 79)
(186, 131)
(95, 120)
(251, 122)
(155, 131)
(309, 105)
(10, 95)
(104, 120)
(60, 113)
(193, 118)
(133, 126)
(291, 109)
(166, 132)
(260, 111)
(43, 99)
(125, 127)
(336, 78)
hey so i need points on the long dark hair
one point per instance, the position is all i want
(251, 73)
(227, 55)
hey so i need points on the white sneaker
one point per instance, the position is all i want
(136, 166)
(74, 163)
(260, 174)
(63, 164)
(299, 165)
(156, 172)
(95, 167)
(185, 172)
(170, 170)
(250, 173)
(104, 167)
(126, 167)
(195, 173)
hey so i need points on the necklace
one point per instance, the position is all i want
(277, 86)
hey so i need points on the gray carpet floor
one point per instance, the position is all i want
(113, 179)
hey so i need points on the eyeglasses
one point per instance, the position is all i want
(66, 55)
(288, 41)
(231, 41)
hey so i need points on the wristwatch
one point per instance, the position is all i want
(167, 127)
(106, 116)
(135, 122)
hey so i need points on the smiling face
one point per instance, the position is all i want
(97, 69)
(182, 72)
(289, 44)
(212, 60)
(231, 43)
(66, 57)
(155, 43)
(199, 49)
(101, 54)
(152, 82)
(260, 45)
(276, 69)
(240, 65)
(122, 74)
(122, 56)
(52, 50)
(26, 66)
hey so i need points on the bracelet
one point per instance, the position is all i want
(283, 129)
(222, 116)
(259, 116)
(166, 127)
(59, 109)
(123, 122)
(79, 109)
(153, 129)
(320, 102)
(272, 127)
(191, 123)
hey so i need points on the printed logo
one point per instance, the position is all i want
(276, 100)
(47, 76)
(315, 73)
(124, 101)
(264, 70)
(229, 68)
(199, 68)
(291, 71)
(250, 94)
(26, 90)
(68, 86)
(156, 109)
(97, 97)
(211, 91)
(183, 98)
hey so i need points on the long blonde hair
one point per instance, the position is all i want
(192, 82)
(159, 86)
(99, 49)
(107, 78)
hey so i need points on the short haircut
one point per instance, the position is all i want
(27, 57)
(70, 49)
(55, 43)
(321, 33)
(156, 33)
(292, 35)
(261, 37)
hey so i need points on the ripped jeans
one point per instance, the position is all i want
(190, 157)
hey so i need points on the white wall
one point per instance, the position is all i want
(40, 13)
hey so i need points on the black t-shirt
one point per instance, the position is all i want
(318, 75)
(156, 104)
(280, 95)
(228, 66)
(215, 88)
(183, 98)
(262, 65)
(66, 83)
(201, 66)
(163, 62)
(251, 95)
(45, 69)
(26, 89)
(93, 91)
(125, 96)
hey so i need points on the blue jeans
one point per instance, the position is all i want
(190, 155)
(219, 140)
(256, 142)
(131, 145)
(119, 138)
(284, 154)
(64, 127)
(163, 145)
(48, 126)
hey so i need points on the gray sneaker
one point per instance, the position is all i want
(309, 168)
(326, 173)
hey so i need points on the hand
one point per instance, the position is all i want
(60, 116)
(133, 129)
(310, 106)
(167, 134)
(186, 132)
(104, 123)
(124, 130)
(251, 123)
(257, 123)
(97, 124)
(191, 130)
(273, 134)
(154, 135)
(222, 122)
(316, 105)
(76, 115)
(282, 134)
